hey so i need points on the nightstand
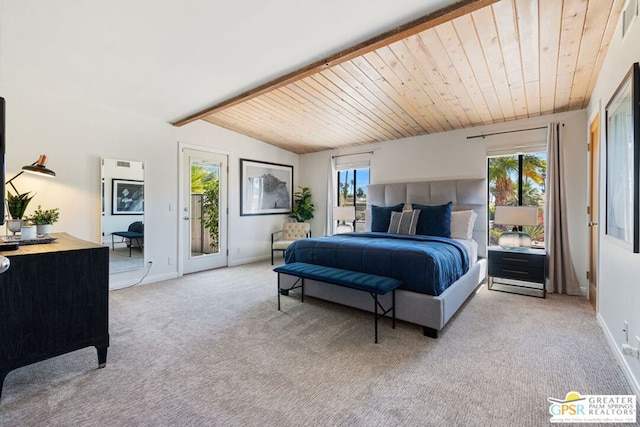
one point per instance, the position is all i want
(517, 271)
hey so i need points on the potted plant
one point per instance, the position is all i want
(17, 205)
(303, 208)
(44, 219)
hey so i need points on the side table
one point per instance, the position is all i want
(517, 271)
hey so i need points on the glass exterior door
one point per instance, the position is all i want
(204, 210)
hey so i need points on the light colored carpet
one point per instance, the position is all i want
(212, 349)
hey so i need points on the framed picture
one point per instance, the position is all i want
(622, 164)
(128, 197)
(265, 188)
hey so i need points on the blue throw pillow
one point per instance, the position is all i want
(434, 220)
(381, 216)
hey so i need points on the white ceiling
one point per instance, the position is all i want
(170, 58)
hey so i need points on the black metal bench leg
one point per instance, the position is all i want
(375, 298)
(302, 291)
(278, 290)
(393, 309)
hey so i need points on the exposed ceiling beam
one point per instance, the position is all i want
(414, 27)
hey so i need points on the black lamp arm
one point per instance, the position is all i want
(11, 183)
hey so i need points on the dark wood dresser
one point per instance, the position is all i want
(53, 300)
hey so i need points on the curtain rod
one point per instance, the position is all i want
(507, 131)
(352, 154)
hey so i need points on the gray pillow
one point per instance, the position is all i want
(404, 222)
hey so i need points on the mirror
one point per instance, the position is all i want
(123, 213)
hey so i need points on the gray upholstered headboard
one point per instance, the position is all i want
(464, 193)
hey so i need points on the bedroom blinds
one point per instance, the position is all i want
(359, 161)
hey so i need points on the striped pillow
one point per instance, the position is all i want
(404, 222)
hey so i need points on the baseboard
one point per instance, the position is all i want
(125, 283)
(622, 361)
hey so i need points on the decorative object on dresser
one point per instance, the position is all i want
(518, 271)
(17, 203)
(44, 219)
(53, 300)
(342, 214)
(515, 216)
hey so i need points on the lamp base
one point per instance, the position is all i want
(515, 241)
(344, 228)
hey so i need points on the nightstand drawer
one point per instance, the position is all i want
(517, 271)
(515, 259)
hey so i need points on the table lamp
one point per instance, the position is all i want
(515, 216)
(343, 214)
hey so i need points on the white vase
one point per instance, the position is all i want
(43, 229)
(28, 232)
(14, 225)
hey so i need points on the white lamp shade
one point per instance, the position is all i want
(344, 213)
(516, 215)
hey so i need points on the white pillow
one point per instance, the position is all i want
(462, 224)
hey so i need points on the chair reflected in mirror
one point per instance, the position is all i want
(133, 237)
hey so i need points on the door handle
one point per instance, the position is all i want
(592, 223)
(186, 218)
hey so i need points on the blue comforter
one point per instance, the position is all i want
(425, 264)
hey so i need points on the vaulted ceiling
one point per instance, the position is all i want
(474, 63)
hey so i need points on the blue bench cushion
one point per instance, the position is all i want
(128, 234)
(351, 279)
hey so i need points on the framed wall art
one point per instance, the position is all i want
(128, 197)
(265, 188)
(622, 163)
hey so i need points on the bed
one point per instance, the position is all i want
(438, 273)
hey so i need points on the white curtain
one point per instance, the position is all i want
(561, 273)
(331, 196)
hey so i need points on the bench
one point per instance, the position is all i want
(131, 235)
(375, 285)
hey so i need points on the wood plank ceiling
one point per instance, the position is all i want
(509, 60)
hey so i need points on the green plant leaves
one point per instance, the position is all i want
(17, 204)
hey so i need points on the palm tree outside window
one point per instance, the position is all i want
(517, 180)
(352, 191)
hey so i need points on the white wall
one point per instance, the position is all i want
(619, 268)
(451, 155)
(75, 136)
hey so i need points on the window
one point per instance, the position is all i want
(352, 191)
(517, 180)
